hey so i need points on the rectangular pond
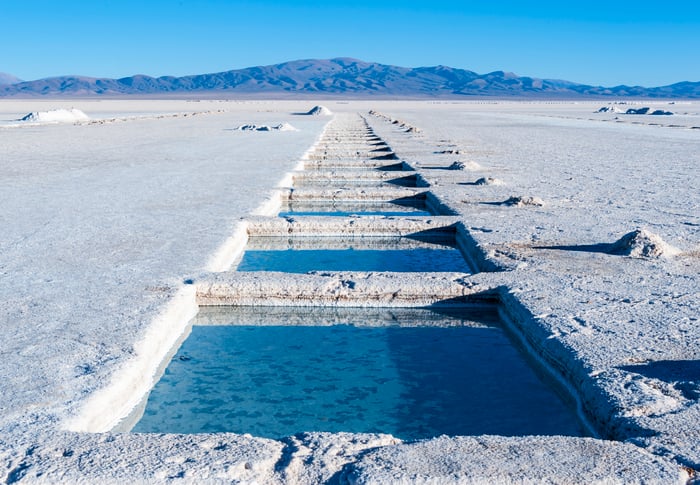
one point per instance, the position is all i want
(398, 181)
(407, 207)
(305, 254)
(412, 373)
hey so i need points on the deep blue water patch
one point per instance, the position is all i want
(413, 374)
(302, 255)
(359, 208)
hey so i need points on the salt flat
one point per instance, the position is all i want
(106, 223)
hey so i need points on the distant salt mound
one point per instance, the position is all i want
(638, 111)
(56, 116)
(285, 127)
(320, 111)
(520, 201)
(648, 111)
(250, 127)
(488, 181)
(280, 127)
(610, 109)
(645, 110)
(643, 244)
(660, 112)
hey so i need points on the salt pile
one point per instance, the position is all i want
(280, 127)
(520, 201)
(285, 127)
(645, 110)
(660, 112)
(610, 109)
(643, 244)
(488, 181)
(56, 116)
(320, 111)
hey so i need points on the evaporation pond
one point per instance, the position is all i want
(274, 372)
(302, 255)
(355, 208)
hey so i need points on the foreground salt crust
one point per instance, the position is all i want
(160, 197)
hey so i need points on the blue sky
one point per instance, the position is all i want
(603, 43)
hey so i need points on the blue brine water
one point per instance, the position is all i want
(358, 373)
(304, 254)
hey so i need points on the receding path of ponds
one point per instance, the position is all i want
(415, 374)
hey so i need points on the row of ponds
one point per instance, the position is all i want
(411, 372)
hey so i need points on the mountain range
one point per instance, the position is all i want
(339, 77)
(8, 79)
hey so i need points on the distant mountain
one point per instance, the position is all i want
(340, 77)
(8, 79)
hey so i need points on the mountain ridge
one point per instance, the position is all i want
(342, 76)
(6, 79)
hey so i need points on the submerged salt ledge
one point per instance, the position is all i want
(614, 324)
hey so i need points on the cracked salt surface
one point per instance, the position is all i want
(93, 298)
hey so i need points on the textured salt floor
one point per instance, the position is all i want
(103, 224)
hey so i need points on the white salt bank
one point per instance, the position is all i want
(56, 116)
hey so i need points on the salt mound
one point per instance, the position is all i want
(648, 111)
(251, 128)
(488, 181)
(56, 116)
(637, 111)
(285, 127)
(610, 109)
(320, 111)
(280, 127)
(661, 112)
(524, 201)
(643, 244)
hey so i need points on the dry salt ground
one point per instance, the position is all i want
(106, 224)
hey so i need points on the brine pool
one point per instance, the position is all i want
(412, 373)
(306, 254)
(352, 208)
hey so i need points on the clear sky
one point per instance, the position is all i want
(594, 42)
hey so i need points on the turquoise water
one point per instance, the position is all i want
(349, 208)
(414, 374)
(304, 254)
(306, 260)
(401, 181)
